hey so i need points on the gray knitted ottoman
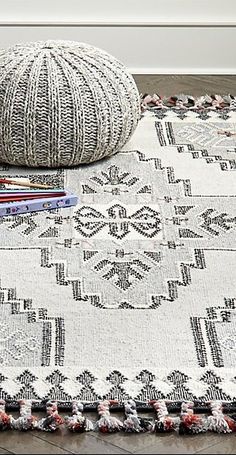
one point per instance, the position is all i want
(63, 103)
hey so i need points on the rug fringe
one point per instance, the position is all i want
(107, 423)
(77, 423)
(133, 423)
(26, 421)
(189, 102)
(52, 421)
(164, 422)
(5, 419)
(218, 422)
(187, 423)
(191, 423)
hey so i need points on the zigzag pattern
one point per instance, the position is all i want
(34, 315)
(226, 164)
(180, 387)
(8, 296)
(185, 272)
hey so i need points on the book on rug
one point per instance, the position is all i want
(21, 196)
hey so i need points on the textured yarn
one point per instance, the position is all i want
(63, 103)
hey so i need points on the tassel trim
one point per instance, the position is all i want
(164, 422)
(26, 421)
(133, 423)
(52, 421)
(5, 419)
(182, 101)
(107, 423)
(189, 422)
(77, 423)
(218, 422)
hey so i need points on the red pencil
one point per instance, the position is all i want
(10, 198)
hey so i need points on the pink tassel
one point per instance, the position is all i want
(157, 100)
(164, 422)
(26, 421)
(231, 421)
(147, 99)
(217, 422)
(134, 423)
(107, 423)
(191, 423)
(218, 102)
(52, 421)
(182, 101)
(77, 423)
(5, 419)
(154, 101)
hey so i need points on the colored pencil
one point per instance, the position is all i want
(26, 184)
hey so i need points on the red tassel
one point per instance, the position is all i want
(77, 423)
(231, 421)
(53, 420)
(26, 421)
(191, 423)
(107, 423)
(164, 422)
(218, 422)
(5, 419)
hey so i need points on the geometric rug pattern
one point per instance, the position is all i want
(132, 292)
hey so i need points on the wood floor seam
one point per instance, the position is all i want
(52, 443)
(6, 450)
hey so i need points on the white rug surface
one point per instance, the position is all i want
(132, 293)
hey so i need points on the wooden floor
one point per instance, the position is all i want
(93, 443)
(191, 85)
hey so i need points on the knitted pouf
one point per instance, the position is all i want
(63, 103)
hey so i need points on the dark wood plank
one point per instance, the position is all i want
(170, 444)
(193, 85)
(80, 443)
(227, 445)
(17, 442)
(129, 442)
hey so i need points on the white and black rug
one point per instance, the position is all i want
(132, 293)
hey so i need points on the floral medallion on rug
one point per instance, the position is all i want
(132, 293)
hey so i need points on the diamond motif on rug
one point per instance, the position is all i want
(132, 292)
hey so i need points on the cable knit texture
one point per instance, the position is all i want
(63, 103)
